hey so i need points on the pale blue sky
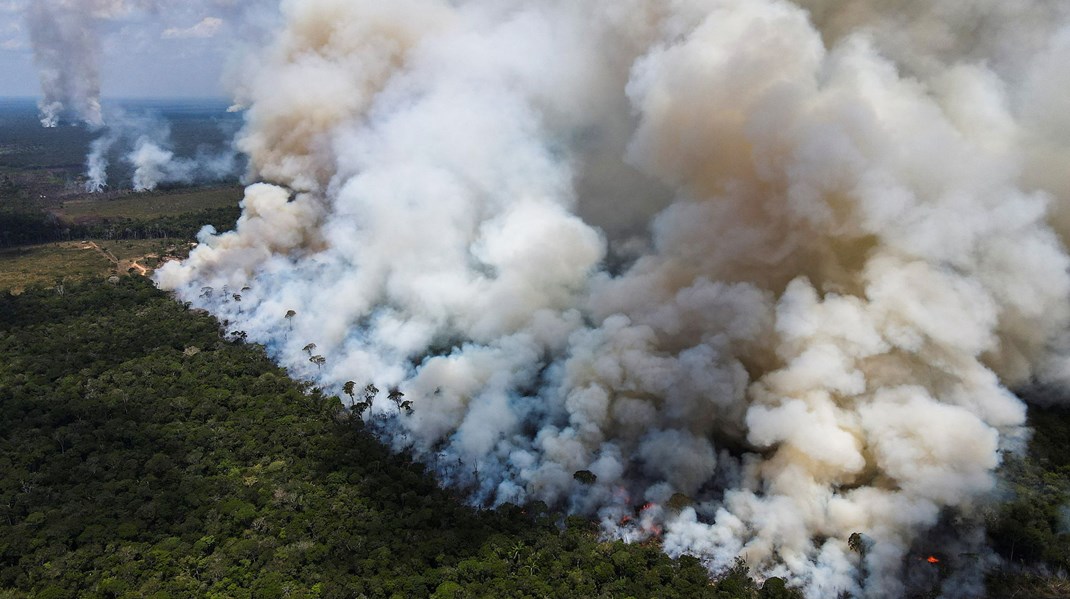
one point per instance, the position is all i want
(178, 50)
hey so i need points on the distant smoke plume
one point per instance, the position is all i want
(146, 146)
(66, 48)
(155, 165)
(67, 39)
(96, 164)
(855, 244)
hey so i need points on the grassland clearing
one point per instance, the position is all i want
(47, 265)
(147, 206)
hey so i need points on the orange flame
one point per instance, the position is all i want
(932, 559)
(625, 520)
(648, 506)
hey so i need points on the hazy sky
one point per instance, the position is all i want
(177, 49)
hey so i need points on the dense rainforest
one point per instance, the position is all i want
(144, 455)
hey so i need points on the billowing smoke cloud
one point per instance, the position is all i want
(855, 245)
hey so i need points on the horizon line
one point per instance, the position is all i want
(136, 98)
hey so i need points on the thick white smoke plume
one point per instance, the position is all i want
(145, 144)
(856, 217)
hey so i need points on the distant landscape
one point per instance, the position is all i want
(52, 229)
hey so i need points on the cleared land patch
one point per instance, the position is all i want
(146, 206)
(45, 265)
(49, 264)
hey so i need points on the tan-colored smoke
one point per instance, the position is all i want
(855, 245)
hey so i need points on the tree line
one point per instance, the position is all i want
(21, 227)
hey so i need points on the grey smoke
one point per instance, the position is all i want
(854, 246)
(67, 38)
(154, 164)
(67, 50)
(97, 163)
(145, 144)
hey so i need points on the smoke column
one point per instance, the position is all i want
(145, 144)
(66, 48)
(96, 164)
(769, 266)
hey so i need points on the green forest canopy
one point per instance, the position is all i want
(145, 456)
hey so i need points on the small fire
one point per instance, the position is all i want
(625, 520)
(648, 506)
(932, 559)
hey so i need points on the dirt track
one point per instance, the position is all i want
(119, 263)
